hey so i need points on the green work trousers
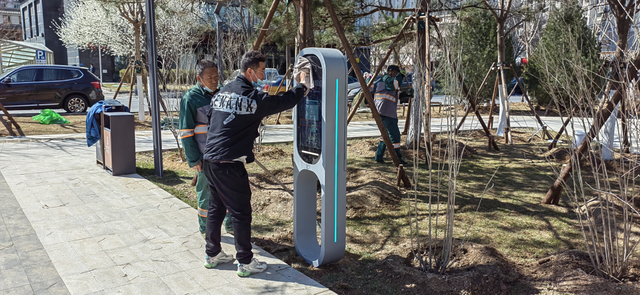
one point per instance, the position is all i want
(391, 124)
(202, 189)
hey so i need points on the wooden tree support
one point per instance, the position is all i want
(524, 95)
(575, 109)
(121, 81)
(11, 119)
(265, 25)
(553, 195)
(491, 141)
(484, 81)
(365, 90)
(406, 120)
(355, 104)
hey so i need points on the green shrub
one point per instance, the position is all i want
(566, 61)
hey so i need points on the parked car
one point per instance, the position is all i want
(271, 87)
(74, 89)
(270, 74)
(513, 84)
(406, 90)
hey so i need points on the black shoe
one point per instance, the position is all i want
(403, 163)
(380, 161)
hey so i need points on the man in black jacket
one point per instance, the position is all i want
(238, 110)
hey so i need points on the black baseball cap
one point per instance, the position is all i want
(393, 68)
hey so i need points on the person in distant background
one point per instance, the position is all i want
(386, 100)
(92, 69)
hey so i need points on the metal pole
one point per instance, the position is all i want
(216, 13)
(100, 62)
(1, 58)
(153, 86)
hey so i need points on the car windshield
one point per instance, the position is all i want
(5, 74)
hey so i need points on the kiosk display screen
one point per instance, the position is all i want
(309, 112)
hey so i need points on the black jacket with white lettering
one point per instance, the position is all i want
(238, 110)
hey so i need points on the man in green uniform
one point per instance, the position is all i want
(193, 123)
(386, 101)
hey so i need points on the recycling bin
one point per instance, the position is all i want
(118, 139)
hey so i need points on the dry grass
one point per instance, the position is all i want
(77, 124)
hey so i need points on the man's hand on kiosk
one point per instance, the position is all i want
(302, 79)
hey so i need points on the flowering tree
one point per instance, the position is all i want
(118, 25)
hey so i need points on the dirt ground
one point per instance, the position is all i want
(478, 269)
(375, 263)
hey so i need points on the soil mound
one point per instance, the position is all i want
(571, 272)
(368, 190)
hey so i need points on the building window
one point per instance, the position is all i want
(33, 21)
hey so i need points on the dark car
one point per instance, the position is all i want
(271, 86)
(74, 89)
(513, 83)
(406, 90)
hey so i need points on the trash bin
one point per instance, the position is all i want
(118, 138)
(579, 137)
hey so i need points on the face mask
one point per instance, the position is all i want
(259, 84)
(207, 89)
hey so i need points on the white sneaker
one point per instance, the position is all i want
(244, 270)
(222, 257)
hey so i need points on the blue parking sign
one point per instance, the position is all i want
(41, 57)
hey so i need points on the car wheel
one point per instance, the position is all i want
(75, 104)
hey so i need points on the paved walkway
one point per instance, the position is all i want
(69, 227)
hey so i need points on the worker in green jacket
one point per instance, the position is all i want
(386, 101)
(195, 109)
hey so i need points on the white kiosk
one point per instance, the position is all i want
(320, 155)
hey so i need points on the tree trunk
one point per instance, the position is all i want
(305, 24)
(504, 126)
(623, 26)
(416, 117)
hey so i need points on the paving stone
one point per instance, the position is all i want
(74, 234)
(22, 290)
(9, 258)
(132, 237)
(153, 286)
(138, 271)
(35, 257)
(211, 277)
(97, 260)
(82, 283)
(42, 273)
(110, 242)
(53, 286)
(86, 246)
(182, 283)
(123, 255)
(186, 260)
(26, 242)
(12, 278)
(110, 277)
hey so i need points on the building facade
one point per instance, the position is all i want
(10, 28)
(38, 17)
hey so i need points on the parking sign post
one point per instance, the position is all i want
(41, 57)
